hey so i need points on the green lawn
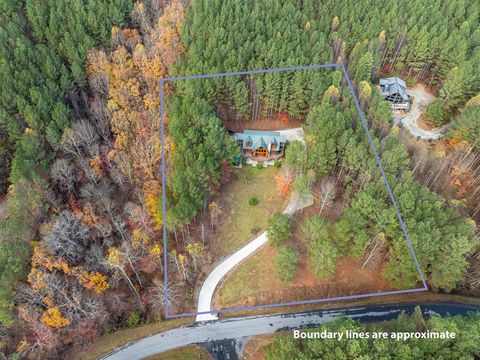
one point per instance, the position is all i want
(191, 352)
(254, 275)
(238, 217)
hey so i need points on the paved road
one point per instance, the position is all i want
(207, 290)
(421, 99)
(238, 328)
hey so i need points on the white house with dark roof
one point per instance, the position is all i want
(394, 91)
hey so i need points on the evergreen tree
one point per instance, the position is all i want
(285, 263)
(279, 229)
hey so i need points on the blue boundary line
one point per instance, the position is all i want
(377, 159)
(350, 297)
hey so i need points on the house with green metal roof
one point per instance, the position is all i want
(261, 145)
(394, 90)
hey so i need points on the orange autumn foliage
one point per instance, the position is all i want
(284, 185)
(40, 258)
(283, 117)
(93, 281)
(53, 318)
(96, 164)
(133, 70)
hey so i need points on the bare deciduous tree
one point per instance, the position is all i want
(94, 260)
(215, 212)
(53, 200)
(89, 172)
(120, 227)
(63, 173)
(68, 238)
(117, 261)
(158, 298)
(100, 117)
(71, 144)
(327, 194)
(124, 164)
(375, 251)
(98, 84)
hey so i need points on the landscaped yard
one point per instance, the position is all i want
(240, 221)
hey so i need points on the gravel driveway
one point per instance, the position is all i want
(421, 99)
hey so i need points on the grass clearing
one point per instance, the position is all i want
(254, 282)
(253, 276)
(239, 218)
(191, 352)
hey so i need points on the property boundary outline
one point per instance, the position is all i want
(377, 159)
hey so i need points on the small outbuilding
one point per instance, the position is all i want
(265, 145)
(394, 90)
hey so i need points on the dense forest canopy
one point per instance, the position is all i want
(464, 346)
(80, 152)
(265, 40)
(43, 48)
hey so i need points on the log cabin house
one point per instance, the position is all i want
(261, 145)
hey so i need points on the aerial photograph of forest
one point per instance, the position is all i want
(152, 207)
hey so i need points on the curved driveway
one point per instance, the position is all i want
(421, 99)
(238, 328)
(204, 307)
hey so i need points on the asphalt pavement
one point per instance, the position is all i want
(237, 329)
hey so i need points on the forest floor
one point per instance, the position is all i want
(255, 348)
(238, 219)
(254, 282)
(3, 207)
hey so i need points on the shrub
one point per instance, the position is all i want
(133, 319)
(254, 230)
(259, 166)
(277, 164)
(436, 113)
(253, 201)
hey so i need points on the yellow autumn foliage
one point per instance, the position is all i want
(155, 250)
(53, 318)
(95, 281)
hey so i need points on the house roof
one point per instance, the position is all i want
(394, 85)
(260, 138)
